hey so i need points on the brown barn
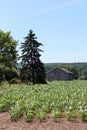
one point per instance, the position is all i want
(59, 74)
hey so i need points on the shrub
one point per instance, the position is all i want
(15, 81)
(11, 73)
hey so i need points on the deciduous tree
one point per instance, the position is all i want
(8, 54)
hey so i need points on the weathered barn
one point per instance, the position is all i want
(59, 74)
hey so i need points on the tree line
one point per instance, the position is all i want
(78, 69)
(32, 69)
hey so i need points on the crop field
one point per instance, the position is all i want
(56, 99)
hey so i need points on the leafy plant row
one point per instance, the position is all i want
(37, 101)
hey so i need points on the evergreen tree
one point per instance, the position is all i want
(32, 68)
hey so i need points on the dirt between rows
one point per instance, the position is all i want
(48, 124)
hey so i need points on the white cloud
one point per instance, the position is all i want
(58, 5)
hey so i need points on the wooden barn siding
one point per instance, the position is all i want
(58, 74)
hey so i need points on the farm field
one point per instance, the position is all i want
(55, 100)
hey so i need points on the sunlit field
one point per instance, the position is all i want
(55, 100)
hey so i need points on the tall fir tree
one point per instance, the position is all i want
(32, 68)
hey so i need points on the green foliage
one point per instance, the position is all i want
(7, 73)
(32, 67)
(8, 53)
(56, 114)
(69, 115)
(28, 115)
(15, 81)
(83, 115)
(11, 73)
(2, 72)
(8, 56)
(79, 69)
(15, 113)
(37, 101)
(4, 85)
(41, 115)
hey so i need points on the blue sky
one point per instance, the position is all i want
(61, 25)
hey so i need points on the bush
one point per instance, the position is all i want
(15, 81)
(2, 72)
(11, 73)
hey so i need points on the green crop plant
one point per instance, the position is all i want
(28, 115)
(56, 114)
(41, 115)
(36, 101)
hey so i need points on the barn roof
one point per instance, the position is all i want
(65, 70)
(62, 69)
